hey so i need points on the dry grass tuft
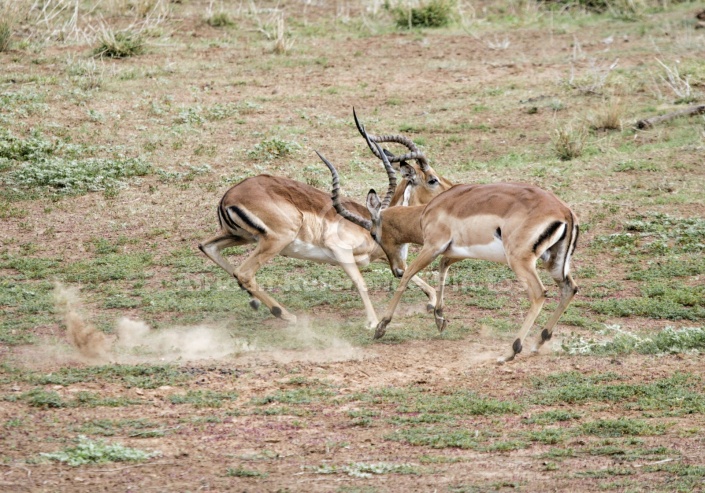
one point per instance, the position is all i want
(568, 142)
(609, 117)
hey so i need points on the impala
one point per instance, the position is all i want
(292, 219)
(512, 223)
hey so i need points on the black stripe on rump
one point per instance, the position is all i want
(548, 233)
(223, 216)
(247, 220)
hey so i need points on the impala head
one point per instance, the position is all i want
(420, 182)
(377, 208)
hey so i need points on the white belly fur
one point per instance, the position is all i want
(493, 251)
(306, 251)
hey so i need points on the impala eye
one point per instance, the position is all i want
(433, 181)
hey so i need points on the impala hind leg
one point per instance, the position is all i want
(212, 249)
(441, 322)
(568, 289)
(527, 275)
(428, 290)
(245, 276)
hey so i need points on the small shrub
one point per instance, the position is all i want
(435, 13)
(98, 452)
(220, 19)
(121, 44)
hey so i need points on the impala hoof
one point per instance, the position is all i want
(430, 307)
(255, 304)
(381, 329)
(441, 322)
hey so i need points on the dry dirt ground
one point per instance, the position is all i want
(438, 80)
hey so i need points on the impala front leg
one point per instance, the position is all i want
(426, 256)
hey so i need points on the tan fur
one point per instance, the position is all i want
(505, 222)
(298, 221)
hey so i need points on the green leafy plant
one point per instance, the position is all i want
(88, 451)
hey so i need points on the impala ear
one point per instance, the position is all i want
(408, 172)
(373, 203)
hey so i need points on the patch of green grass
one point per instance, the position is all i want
(273, 148)
(108, 267)
(665, 305)
(438, 437)
(675, 395)
(43, 399)
(366, 470)
(415, 401)
(295, 396)
(138, 376)
(668, 268)
(77, 176)
(203, 398)
(552, 416)
(622, 427)
(547, 436)
(241, 472)
(91, 399)
(142, 428)
(88, 451)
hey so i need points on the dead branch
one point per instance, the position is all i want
(698, 109)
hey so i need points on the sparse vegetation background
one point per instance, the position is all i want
(129, 361)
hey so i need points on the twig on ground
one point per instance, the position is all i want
(697, 109)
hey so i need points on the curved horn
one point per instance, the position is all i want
(391, 174)
(350, 216)
(399, 139)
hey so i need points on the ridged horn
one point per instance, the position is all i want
(391, 174)
(335, 195)
(414, 153)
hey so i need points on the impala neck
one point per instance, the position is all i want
(404, 224)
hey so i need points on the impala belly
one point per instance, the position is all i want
(307, 251)
(493, 251)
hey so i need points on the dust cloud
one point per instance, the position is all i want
(135, 342)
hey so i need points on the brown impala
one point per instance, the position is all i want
(510, 223)
(289, 218)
